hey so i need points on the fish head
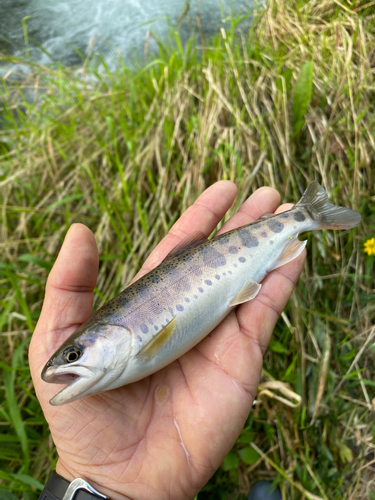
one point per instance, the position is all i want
(88, 361)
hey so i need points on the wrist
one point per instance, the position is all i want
(58, 488)
(71, 473)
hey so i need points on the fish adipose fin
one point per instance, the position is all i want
(157, 342)
(292, 249)
(328, 216)
(248, 292)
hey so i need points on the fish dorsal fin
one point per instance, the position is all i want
(292, 249)
(266, 215)
(248, 292)
(158, 341)
(190, 241)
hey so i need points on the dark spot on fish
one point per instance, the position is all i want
(167, 320)
(186, 299)
(233, 249)
(150, 321)
(170, 310)
(155, 278)
(217, 276)
(200, 289)
(242, 259)
(156, 328)
(144, 328)
(139, 338)
(187, 257)
(247, 239)
(255, 226)
(179, 307)
(142, 288)
(208, 282)
(162, 326)
(299, 217)
(275, 225)
(284, 216)
(171, 269)
(223, 239)
(212, 258)
(263, 235)
(195, 296)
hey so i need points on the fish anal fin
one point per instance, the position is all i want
(190, 241)
(248, 292)
(158, 341)
(292, 249)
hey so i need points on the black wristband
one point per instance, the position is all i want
(56, 489)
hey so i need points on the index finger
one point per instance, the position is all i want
(199, 220)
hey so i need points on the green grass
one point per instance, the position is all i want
(289, 102)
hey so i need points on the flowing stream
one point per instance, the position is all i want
(69, 30)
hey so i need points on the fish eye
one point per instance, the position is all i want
(72, 353)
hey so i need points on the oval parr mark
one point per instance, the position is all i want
(200, 289)
(299, 217)
(233, 249)
(208, 282)
(212, 258)
(144, 328)
(186, 299)
(275, 225)
(284, 216)
(179, 307)
(248, 240)
(217, 276)
(223, 239)
(242, 259)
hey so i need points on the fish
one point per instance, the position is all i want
(169, 310)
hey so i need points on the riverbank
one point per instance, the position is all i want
(286, 103)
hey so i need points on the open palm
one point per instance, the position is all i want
(164, 436)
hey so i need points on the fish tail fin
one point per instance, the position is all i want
(328, 216)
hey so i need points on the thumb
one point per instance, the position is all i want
(69, 293)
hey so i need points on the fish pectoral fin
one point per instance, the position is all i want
(158, 341)
(248, 292)
(292, 249)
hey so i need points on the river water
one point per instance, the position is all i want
(67, 30)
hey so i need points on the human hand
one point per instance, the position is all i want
(164, 436)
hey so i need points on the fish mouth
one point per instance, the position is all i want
(80, 380)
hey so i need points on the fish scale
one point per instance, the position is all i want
(173, 307)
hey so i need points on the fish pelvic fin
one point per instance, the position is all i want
(324, 213)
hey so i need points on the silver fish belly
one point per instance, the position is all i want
(169, 310)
